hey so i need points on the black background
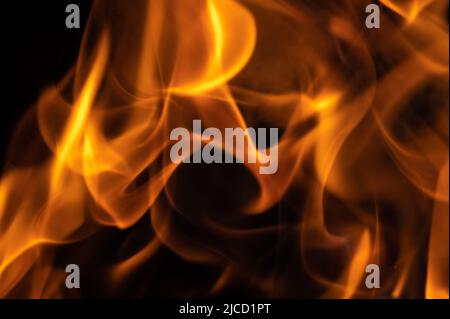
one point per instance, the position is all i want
(37, 50)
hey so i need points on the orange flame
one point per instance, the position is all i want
(363, 155)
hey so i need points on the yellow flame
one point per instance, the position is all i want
(73, 133)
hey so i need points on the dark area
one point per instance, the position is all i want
(37, 50)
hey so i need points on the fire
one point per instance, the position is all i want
(408, 9)
(362, 175)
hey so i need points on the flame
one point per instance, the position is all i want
(407, 9)
(437, 275)
(362, 155)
